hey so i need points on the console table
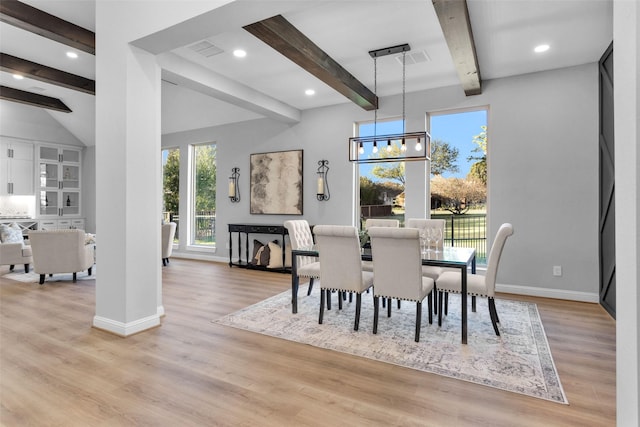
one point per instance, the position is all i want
(247, 229)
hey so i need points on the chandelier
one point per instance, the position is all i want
(411, 146)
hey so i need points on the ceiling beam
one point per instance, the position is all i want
(33, 99)
(39, 22)
(278, 33)
(15, 65)
(456, 26)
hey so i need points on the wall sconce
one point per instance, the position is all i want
(234, 190)
(323, 186)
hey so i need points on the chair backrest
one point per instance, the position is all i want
(504, 231)
(168, 233)
(397, 262)
(58, 251)
(377, 222)
(340, 257)
(300, 236)
(423, 223)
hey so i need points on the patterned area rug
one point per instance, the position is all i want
(519, 360)
(32, 277)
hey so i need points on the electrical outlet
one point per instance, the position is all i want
(557, 270)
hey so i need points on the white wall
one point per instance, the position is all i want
(543, 139)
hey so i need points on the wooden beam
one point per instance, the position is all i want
(278, 33)
(34, 99)
(12, 64)
(39, 22)
(455, 23)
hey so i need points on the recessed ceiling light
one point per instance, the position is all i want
(18, 76)
(239, 53)
(541, 48)
(310, 92)
(72, 55)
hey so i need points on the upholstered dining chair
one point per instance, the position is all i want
(397, 262)
(168, 233)
(377, 222)
(478, 285)
(300, 236)
(341, 266)
(422, 224)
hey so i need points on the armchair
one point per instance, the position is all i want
(168, 233)
(60, 251)
(12, 248)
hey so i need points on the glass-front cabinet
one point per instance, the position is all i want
(59, 185)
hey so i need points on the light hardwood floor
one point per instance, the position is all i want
(56, 370)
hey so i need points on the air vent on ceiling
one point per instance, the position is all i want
(413, 58)
(206, 49)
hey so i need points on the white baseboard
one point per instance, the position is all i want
(126, 329)
(548, 293)
(161, 310)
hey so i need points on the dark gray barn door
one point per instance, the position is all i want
(607, 187)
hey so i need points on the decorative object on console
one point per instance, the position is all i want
(276, 183)
(359, 146)
(234, 190)
(323, 193)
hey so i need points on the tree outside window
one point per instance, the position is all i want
(204, 196)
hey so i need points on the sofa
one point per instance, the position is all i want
(13, 250)
(61, 251)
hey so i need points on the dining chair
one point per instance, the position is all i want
(422, 224)
(377, 222)
(300, 236)
(397, 262)
(341, 266)
(478, 285)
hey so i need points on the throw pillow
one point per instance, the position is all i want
(9, 234)
(276, 255)
(261, 253)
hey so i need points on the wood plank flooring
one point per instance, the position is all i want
(56, 370)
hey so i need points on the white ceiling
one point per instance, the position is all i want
(505, 31)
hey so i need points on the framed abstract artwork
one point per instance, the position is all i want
(276, 183)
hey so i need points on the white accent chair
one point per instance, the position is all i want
(377, 222)
(300, 236)
(478, 285)
(397, 262)
(12, 254)
(421, 224)
(168, 233)
(341, 266)
(60, 251)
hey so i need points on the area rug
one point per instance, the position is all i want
(519, 360)
(32, 277)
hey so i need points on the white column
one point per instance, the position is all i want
(626, 44)
(128, 180)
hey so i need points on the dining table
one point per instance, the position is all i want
(449, 257)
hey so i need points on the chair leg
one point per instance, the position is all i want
(41, 279)
(74, 277)
(376, 308)
(440, 308)
(322, 292)
(164, 262)
(340, 295)
(430, 307)
(358, 304)
(389, 307)
(399, 304)
(473, 303)
(418, 319)
(89, 271)
(310, 286)
(494, 315)
(26, 268)
(384, 302)
(328, 292)
(446, 303)
(11, 267)
(351, 297)
(435, 302)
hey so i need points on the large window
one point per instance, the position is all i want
(203, 200)
(381, 184)
(171, 186)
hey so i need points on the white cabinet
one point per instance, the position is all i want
(59, 224)
(16, 168)
(59, 181)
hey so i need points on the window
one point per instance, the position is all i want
(381, 184)
(171, 187)
(203, 198)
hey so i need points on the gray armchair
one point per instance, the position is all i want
(168, 233)
(60, 251)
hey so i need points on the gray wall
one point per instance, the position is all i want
(542, 170)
